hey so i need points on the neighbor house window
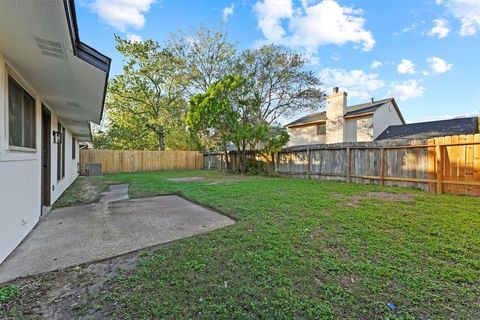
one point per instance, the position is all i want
(73, 149)
(321, 128)
(21, 116)
(61, 153)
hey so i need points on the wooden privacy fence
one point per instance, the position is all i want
(135, 161)
(442, 165)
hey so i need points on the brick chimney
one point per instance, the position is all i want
(336, 109)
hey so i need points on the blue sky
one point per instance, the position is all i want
(425, 53)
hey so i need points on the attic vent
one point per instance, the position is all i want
(51, 48)
(73, 104)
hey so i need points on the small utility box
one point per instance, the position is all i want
(93, 169)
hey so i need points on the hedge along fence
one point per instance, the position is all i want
(442, 165)
(136, 161)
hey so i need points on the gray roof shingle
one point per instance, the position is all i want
(426, 130)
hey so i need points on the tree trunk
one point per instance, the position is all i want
(225, 152)
(242, 155)
(161, 141)
(241, 163)
(160, 134)
(227, 163)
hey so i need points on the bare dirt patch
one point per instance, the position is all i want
(187, 179)
(355, 200)
(62, 294)
(210, 181)
(225, 181)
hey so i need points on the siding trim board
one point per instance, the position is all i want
(307, 124)
(360, 115)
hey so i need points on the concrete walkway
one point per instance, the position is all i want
(114, 226)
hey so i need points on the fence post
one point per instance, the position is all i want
(349, 165)
(291, 163)
(439, 164)
(309, 162)
(382, 166)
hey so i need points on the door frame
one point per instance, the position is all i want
(46, 157)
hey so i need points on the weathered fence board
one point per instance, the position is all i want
(442, 165)
(136, 161)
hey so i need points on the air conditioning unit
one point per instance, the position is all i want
(93, 169)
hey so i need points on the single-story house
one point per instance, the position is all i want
(52, 86)
(342, 123)
(431, 129)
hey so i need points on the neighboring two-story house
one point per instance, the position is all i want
(342, 123)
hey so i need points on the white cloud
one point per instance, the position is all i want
(134, 37)
(335, 56)
(357, 83)
(375, 64)
(405, 90)
(425, 72)
(406, 67)
(311, 26)
(270, 14)
(122, 14)
(467, 11)
(411, 27)
(439, 65)
(441, 28)
(228, 11)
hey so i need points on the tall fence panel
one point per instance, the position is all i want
(136, 161)
(442, 165)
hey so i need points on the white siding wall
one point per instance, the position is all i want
(304, 135)
(384, 117)
(20, 172)
(71, 171)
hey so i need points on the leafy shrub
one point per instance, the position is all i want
(253, 166)
(6, 293)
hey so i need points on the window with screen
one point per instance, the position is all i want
(321, 128)
(21, 116)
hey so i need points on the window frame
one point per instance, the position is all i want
(25, 90)
(74, 148)
(324, 125)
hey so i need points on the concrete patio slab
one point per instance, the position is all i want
(81, 234)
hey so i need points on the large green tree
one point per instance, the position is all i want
(281, 82)
(146, 103)
(230, 109)
(208, 56)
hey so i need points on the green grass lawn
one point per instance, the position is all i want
(305, 249)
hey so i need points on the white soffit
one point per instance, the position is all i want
(37, 42)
